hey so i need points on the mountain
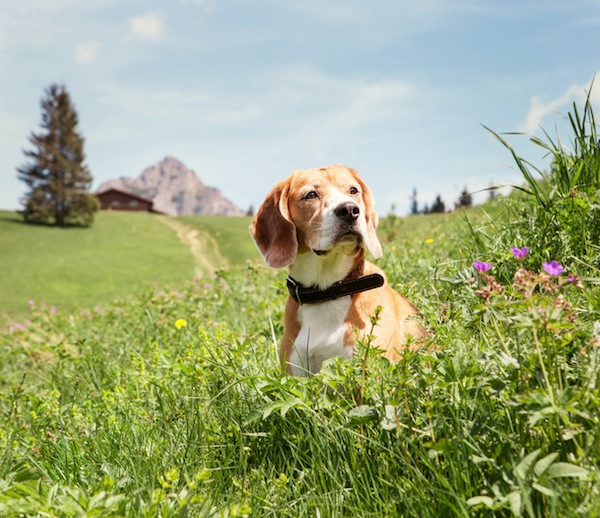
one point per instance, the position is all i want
(175, 190)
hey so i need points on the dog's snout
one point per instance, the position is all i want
(347, 211)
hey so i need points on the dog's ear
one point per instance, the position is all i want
(272, 228)
(371, 240)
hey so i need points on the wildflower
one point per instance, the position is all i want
(180, 322)
(520, 253)
(575, 280)
(482, 266)
(428, 241)
(491, 286)
(393, 248)
(553, 268)
(53, 310)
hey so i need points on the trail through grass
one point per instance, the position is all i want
(120, 255)
(231, 234)
(204, 248)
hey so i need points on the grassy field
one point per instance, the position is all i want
(231, 235)
(120, 255)
(172, 403)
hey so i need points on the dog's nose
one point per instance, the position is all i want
(347, 211)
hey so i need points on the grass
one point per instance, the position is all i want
(231, 234)
(120, 254)
(120, 412)
(172, 403)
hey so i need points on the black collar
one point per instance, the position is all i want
(349, 286)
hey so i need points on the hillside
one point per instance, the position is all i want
(175, 189)
(120, 255)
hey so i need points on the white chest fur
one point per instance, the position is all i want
(322, 335)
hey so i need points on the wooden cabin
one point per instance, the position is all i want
(116, 199)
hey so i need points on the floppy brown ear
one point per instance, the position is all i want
(371, 240)
(272, 229)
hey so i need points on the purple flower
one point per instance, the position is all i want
(553, 268)
(482, 266)
(520, 253)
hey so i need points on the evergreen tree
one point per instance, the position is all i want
(465, 200)
(414, 204)
(438, 206)
(56, 176)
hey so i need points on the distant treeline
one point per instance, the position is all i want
(438, 206)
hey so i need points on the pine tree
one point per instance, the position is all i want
(56, 176)
(438, 206)
(465, 200)
(414, 204)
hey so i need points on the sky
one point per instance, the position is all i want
(245, 92)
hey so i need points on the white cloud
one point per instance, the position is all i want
(538, 109)
(375, 101)
(149, 26)
(87, 52)
(341, 104)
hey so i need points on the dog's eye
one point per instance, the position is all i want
(310, 195)
(353, 190)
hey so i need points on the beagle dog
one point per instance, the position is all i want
(318, 222)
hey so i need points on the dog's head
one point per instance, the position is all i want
(322, 211)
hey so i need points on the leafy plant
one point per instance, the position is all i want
(563, 219)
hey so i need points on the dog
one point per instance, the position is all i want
(318, 223)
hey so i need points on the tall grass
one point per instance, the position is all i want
(562, 219)
(174, 404)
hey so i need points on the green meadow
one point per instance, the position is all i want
(120, 255)
(169, 401)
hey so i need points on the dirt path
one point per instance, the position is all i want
(197, 245)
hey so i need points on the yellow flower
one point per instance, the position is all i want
(428, 241)
(180, 322)
(393, 248)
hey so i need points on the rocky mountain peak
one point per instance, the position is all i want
(176, 190)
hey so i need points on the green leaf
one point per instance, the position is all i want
(388, 422)
(362, 414)
(481, 500)
(524, 466)
(514, 499)
(564, 469)
(543, 464)
(544, 490)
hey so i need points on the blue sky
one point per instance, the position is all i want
(246, 92)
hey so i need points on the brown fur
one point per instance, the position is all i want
(287, 226)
